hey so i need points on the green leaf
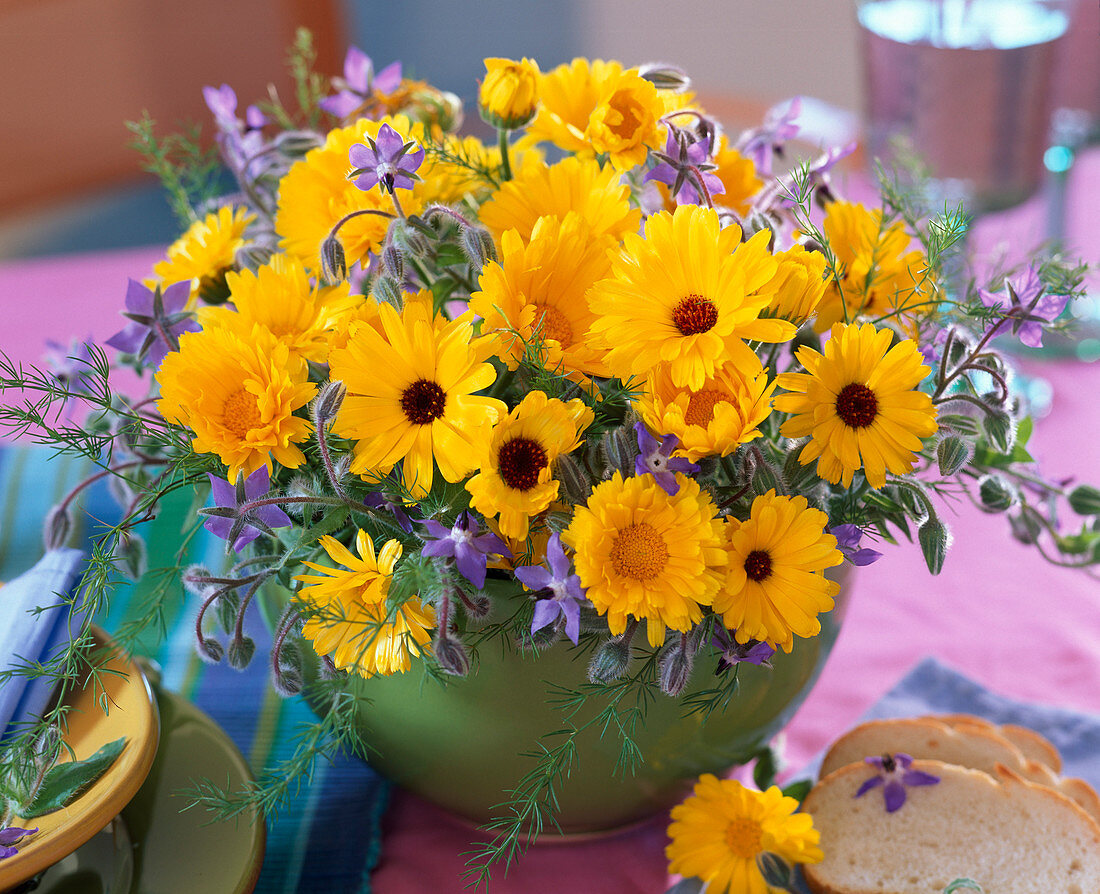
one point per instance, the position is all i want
(798, 789)
(1085, 500)
(999, 430)
(933, 538)
(64, 782)
(449, 254)
(763, 774)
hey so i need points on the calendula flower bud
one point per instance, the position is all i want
(334, 265)
(665, 77)
(799, 285)
(509, 94)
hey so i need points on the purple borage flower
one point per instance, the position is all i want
(683, 153)
(654, 458)
(10, 837)
(387, 162)
(236, 527)
(359, 82)
(1024, 301)
(778, 127)
(378, 501)
(156, 321)
(733, 652)
(894, 775)
(559, 590)
(469, 549)
(847, 541)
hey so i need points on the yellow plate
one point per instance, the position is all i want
(132, 712)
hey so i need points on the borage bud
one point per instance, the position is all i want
(611, 659)
(451, 654)
(509, 95)
(241, 651)
(620, 448)
(575, 483)
(386, 289)
(393, 261)
(210, 650)
(334, 265)
(296, 143)
(665, 77)
(995, 494)
(328, 402)
(478, 246)
(675, 666)
(56, 527)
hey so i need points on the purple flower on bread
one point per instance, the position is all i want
(895, 775)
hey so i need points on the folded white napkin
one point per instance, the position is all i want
(28, 636)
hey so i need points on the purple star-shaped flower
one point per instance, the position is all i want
(10, 837)
(559, 590)
(655, 458)
(222, 102)
(462, 542)
(233, 520)
(733, 652)
(847, 541)
(359, 82)
(894, 775)
(778, 127)
(156, 321)
(387, 162)
(1024, 302)
(378, 501)
(684, 160)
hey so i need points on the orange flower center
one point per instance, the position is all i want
(743, 836)
(695, 314)
(626, 115)
(241, 413)
(639, 552)
(758, 565)
(423, 402)
(520, 461)
(856, 405)
(554, 325)
(700, 408)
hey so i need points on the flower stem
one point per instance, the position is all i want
(505, 160)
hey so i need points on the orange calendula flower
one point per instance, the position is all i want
(624, 122)
(569, 95)
(738, 176)
(238, 395)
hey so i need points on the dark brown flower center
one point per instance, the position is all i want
(695, 314)
(520, 461)
(856, 405)
(423, 402)
(758, 565)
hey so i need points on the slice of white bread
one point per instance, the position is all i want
(978, 745)
(1009, 835)
(1034, 746)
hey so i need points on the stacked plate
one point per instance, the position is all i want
(129, 832)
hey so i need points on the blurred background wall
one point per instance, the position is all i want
(71, 71)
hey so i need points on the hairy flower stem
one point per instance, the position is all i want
(505, 159)
(397, 204)
(343, 220)
(326, 458)
(103, 473)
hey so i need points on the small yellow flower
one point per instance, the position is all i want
(718, 832)
(346, 610)
(238, 395)
(738, 176)
(204, 253)
(687, 294)
(712, 420)
(776, 586)
(876, 272)
(516, 461)
(573, 184)
(859, 404)
(280, 298)
(412, 395)
(509, 95)
(624, 121)
(642, 553)
(542, 286)
(799, 285)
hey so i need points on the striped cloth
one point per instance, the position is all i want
(327, 839)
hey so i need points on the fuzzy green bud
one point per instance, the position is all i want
(575, 485)
(478, 246)
(294, 144)
(934, 539)
(210, 650)
(1025, 527)
(952, 454)
(611, 659)
(995, 494)
(451, 655)
(665, 77)
(393, 261)
(241, 651)
(675, 666)
(334, 265)
(386, 289)
(620, 448)
(1000, 429)
(328, 402)
(1085, 500)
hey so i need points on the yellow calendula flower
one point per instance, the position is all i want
(573, 184)
(204, 253)
(509, 95)
(776, 586)
(346, 610)
(238, 395)
(799, 285)
(540, 287)
(645, 554)
(859, 404)
(280, 298)
(316, 194)
(876, 271)
(411, 395)
(569, 95)
(516, 462)
(624, 122)
(712, 420)
(738, 176)
(687, 294)
(718, 832)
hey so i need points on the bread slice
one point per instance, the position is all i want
(955, 739)
(1034, 746)
(1009, 835)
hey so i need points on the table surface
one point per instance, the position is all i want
(997, 612)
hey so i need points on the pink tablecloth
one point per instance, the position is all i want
(997, 612)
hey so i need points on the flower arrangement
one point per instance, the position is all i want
(616, 358)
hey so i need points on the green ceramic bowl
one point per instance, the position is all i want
(465, 745)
